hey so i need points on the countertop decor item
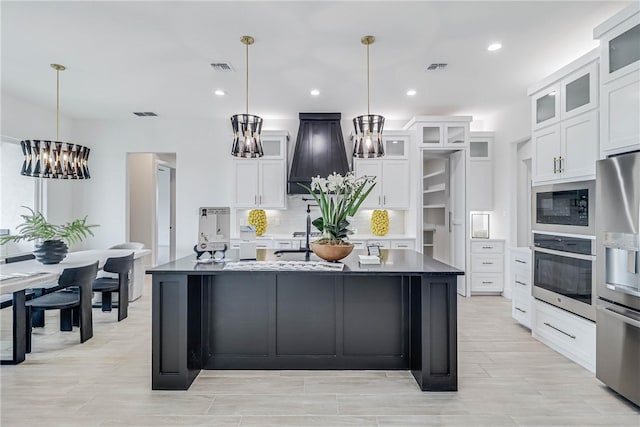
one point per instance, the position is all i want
(339, 198)
(52, 239)
(258, 217)
(380, 222)
(55, 159)
(368, 128)
(246, 127)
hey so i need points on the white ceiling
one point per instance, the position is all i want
(154, 56)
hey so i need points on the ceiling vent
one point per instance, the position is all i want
(436, 67)
(222, 67)
(145, 114)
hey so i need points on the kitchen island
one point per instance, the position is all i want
(400, 314)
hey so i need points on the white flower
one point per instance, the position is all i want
(335, 182)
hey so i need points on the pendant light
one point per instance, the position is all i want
(55, 159)
(246, 127)
(368, 128)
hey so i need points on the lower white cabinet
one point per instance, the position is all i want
(487, 266)
(403, 244)
(566, 333)
(521, 299)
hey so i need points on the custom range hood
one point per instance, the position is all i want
(319, 150)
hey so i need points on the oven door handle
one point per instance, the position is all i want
(565, 254)
(606, 308)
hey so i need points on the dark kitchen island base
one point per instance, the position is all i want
(371, 318)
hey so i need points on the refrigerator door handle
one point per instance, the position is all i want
(606, 308)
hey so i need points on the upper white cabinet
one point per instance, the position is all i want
(262, 183)
(565, 123)
(392, 184)
(396, 144)
(620, 81)
(481, 171)
(440, 132)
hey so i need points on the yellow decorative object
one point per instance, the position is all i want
(380, 222)
(258, 217)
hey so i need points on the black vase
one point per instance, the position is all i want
(51, 251)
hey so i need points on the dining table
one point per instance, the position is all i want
(16, 278)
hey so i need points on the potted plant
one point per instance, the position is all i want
(339, 198)
(52, 239)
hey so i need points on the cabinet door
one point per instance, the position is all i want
(619, 49)
(546, 150)
(480, 186)
(272, 184)
(273, 146)
(456, 135)
(579, 91)
(620, 112)
(545, 107)
(395, 184)
(431, 135)
(579, 146)
(246, 183)
(395, 146)
(370, 168)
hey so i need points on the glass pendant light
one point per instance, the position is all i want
(55, 159)
(246, 127)
(369, 127)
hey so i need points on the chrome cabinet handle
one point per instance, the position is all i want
(486, 283)
(384, 200)
(560, 170)
(261, 199)
(520, 261)
(487, 263)
(487, 247)
(255, 199)
(573, 337)
(520, 283)
(378, 199)
(555, 170)
(520, 310)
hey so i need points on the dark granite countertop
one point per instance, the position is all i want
(394, 261)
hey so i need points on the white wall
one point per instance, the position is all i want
(511, 124)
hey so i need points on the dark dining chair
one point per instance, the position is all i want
(74, 294)
(122, 266)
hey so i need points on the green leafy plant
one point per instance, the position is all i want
(36, 227)
(339, 199)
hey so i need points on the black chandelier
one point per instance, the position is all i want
(55, 159)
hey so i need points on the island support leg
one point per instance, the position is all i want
(176, 342)
(434, 342)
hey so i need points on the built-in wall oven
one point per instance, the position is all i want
(564, 272)
(564, 208)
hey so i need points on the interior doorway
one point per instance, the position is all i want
(151, 179)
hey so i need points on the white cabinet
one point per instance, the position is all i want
(396, 144)
(403, 244)
(481, 171)
(392, 184)
(521, 299)
(620, 81)
(566, 151)
(565, 123)
(566, 333)
(450, 132)
(261, 183)
(487, 266)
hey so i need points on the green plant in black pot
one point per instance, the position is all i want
(51, 239)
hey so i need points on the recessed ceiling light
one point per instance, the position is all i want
(411, 92)
(220, 92)
(494, 46)
(315, 92)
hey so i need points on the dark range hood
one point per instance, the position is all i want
(319, 150)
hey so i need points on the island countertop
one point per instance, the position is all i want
(393, 261)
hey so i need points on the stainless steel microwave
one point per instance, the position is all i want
(564, 208)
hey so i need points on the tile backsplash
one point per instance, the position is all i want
(295, 216)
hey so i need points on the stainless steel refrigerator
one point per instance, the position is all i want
(618, 274)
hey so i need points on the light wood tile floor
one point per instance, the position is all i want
(506, 378)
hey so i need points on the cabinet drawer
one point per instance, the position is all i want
(264, 244)
(566, 333)
(521, 309)
(403, 244)
(522, 280)
(282, 244)
(521, 261)
(358, 244)
(486, 247)
(486, 282)
(384, 244)
(486, 263)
